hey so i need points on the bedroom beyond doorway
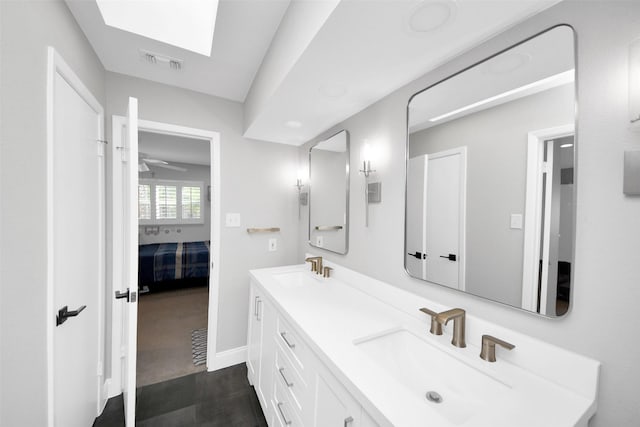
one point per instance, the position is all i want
(174, 228)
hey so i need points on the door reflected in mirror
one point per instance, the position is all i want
(490, 177)
(329, 193)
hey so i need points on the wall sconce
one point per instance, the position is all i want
(634, 84)
(366, 171)
(303, 198)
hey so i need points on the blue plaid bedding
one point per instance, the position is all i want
(160, 262)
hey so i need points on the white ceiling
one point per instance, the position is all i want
(358, 52)
(243, 32)
(367, 49)
(174, 149)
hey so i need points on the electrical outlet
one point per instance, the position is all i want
(273, 245)
(319, 241)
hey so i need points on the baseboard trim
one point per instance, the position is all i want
(228, 358)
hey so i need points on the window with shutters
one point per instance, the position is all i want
(170, 202)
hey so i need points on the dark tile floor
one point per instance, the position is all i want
(211, 399)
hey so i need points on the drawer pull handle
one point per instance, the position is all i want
(284, 337)
(348, 421)
(284, 418)
(255, 307)
(286, 381)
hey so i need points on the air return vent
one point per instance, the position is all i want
(161, 61)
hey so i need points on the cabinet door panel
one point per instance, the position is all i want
(254, 338)
(267, 317)
(334, 406)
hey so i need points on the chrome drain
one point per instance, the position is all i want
(434, 396)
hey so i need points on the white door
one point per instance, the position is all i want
(128, 293)
(416, 253)
(444, 227)
(77, 235)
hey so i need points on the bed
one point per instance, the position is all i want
(173, 264)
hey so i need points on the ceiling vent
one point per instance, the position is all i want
(161, 61)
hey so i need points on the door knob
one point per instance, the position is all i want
(64, 313)
(120, 295)
(450, 257)
(130, 296)
(419, 255)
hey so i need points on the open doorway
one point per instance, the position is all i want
(174, 229)
(128, 232)
(549, 221)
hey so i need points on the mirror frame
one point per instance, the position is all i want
(575, 166)
(347, 181)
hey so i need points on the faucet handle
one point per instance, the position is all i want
(326, 272)
(436, 327)
(488, 351)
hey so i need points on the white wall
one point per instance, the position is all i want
(496, 141)
(603, 322)
(257, 181)
(181, 232)
(26, 29)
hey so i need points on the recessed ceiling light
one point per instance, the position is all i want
(508, 62)
(188, 24)
(430, 16)
(293, 124)
(333, 90)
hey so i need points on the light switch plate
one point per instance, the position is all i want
(273, 245)
(319, 241)
(516, 221)
(232, 220)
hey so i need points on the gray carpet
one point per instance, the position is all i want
(165, 322)
(199, 346)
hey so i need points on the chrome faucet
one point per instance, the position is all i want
(316, 264)
(458, 316)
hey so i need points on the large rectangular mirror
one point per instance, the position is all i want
(490, 205)
(329, 194)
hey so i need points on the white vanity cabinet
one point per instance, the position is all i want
(260, 345)
(293, 386)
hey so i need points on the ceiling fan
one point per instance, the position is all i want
(145, 160)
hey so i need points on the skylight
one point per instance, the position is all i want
(188, 24)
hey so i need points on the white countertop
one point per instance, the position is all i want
(330, 315)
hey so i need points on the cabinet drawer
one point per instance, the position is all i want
(284, 409)
(293, 346)
(291, 380)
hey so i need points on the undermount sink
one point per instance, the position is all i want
(454, 389)
(295, 279)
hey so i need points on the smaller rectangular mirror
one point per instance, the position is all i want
(329, 193)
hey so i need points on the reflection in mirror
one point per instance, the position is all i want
(329, 193)
(490, 184)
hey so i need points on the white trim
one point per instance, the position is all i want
(533, 213)
(231, 357)
(214, 277)
(57, 65)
